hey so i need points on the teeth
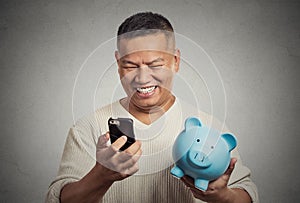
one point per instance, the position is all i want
(146, 90)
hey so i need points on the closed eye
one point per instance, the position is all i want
(129, 67)
(155, 66)
(128, 64)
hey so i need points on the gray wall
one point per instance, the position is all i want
(254, 44)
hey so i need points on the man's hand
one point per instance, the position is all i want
(111, 166)
(217, 190)
(117, 165)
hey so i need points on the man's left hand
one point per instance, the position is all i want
(217, 190)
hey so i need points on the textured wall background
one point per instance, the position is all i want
(255, 45)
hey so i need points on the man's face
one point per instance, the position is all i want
(146, 69)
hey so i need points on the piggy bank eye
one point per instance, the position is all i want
(198, 140)
(211, 147)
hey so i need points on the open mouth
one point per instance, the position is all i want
(146, 90)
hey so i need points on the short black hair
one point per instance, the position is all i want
(145, 23)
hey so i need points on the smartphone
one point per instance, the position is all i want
(119, 127)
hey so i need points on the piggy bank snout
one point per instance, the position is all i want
(199, 159)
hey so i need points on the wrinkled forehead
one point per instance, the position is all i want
(157, 42)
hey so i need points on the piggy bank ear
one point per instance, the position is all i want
(192, 122)
(231, 140)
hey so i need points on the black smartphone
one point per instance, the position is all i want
(119, 127)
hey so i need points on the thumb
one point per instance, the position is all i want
(231, 166)
(119, 142)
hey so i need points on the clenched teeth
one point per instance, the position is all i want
(146, 89)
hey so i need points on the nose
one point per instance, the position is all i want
(199, 158)
(143, 75)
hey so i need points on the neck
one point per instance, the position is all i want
(147, 115)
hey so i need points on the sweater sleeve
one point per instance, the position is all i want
(76, 162)
(240, 178)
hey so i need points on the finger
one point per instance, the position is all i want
(231, 167)
(197, 192)
(130, 151)
(125, 166)
(134, 148)
(132, 170)
(204, 196)
(131, 161)
(119, 143)
(114, 148)
(222, 181)
(188, 181)
(102, 140)
(135, 151)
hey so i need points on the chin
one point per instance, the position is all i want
(151, 103)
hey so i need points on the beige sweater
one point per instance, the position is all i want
(153, 182)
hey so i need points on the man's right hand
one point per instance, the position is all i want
(112, 165)
(117, 165)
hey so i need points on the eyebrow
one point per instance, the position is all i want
(148, 63)
(129, 62)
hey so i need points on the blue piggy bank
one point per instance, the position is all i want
(202, 153)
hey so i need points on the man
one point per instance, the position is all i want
(93, 171)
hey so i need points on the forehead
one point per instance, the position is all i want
(154, 42)
(146, 57)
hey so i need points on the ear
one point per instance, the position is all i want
(192, 122)
(230, 140)
(177, 60)
(117, 57)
